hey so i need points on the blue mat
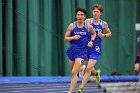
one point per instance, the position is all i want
(55, 79)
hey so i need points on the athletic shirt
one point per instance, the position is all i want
(84, 35)
(97, 28)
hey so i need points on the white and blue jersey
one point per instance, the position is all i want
(78, 48)
(95, 51)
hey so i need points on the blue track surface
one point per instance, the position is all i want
(47, 88)
(55, 84)
(55, 79)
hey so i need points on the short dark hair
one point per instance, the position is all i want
(81, 9)
(99, 7)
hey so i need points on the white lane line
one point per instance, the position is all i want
(39, 87)
(22, 88)
(5, 86)
(33, 87)
(93, 90)
(16, 91)
(60, 89)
